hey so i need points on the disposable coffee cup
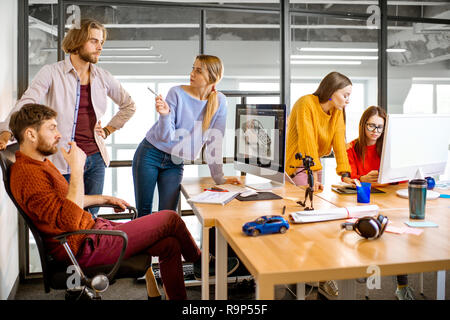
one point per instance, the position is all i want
(417, 196)
(363, 192)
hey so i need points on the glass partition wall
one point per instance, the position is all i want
(419, 67)
(338, 38)
(154, 44)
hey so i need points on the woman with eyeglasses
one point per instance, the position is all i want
(316, 124)
(364, 156)
(364, 153)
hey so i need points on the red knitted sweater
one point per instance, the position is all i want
(371, 161)
(41, 190)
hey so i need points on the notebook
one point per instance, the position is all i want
(214, 197)
(334, 214)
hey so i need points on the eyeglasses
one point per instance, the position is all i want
(372, 127)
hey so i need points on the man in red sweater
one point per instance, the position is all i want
(55, 206)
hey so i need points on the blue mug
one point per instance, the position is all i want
(363, 192)
(431, 183)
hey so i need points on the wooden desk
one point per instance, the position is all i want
(321, 251)
(247, 210)
(388, 200)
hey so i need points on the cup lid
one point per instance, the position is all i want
(418, 182)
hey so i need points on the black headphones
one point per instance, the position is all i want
(368, 227)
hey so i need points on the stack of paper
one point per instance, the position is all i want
(233, 188)
(214, 197)
(334, 214)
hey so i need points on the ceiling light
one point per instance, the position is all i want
(315, 57)
(325, 62)
(395, 50)
(131, 57)
(133, 62)
(147, 48)
(349, 49)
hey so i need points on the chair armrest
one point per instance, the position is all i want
(131, 214)
(62, 238)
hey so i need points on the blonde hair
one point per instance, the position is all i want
(215, 71)
(76, 38)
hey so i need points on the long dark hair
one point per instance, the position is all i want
(330, 84)
(361, 142)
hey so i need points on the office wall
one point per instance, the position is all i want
(260, 59)
(9, 258)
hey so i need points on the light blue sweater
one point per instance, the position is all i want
(180, 132)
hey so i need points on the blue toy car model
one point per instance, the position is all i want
(266, 224)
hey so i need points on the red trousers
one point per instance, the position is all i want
(162, 234)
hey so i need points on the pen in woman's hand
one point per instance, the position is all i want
(152, 91)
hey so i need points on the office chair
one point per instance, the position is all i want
(93, 280)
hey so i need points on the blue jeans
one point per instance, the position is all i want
(150, 167)
(94, 177)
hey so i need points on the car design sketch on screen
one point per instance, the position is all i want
(257, 138)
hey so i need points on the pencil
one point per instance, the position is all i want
(152, 91)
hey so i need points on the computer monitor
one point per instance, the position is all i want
(259, 147)
(412, 143)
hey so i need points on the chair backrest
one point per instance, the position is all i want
(6, 161)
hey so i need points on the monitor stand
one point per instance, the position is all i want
(264, 186)
(431, 195)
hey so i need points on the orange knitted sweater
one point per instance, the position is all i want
(313, 132)
(41, 190)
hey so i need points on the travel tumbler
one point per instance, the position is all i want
(417, 195)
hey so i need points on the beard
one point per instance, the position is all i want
(88, 56)
(45, 148)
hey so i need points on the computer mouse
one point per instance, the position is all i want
(248, 193)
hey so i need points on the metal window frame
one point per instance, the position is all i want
(285, 10)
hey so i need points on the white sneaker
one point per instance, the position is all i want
(405, 293)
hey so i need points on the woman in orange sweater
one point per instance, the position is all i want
(364, 156)
(316, 124)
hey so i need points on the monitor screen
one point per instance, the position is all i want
(413, 142)
(260, 140)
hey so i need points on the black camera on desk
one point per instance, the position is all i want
(308, 162)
